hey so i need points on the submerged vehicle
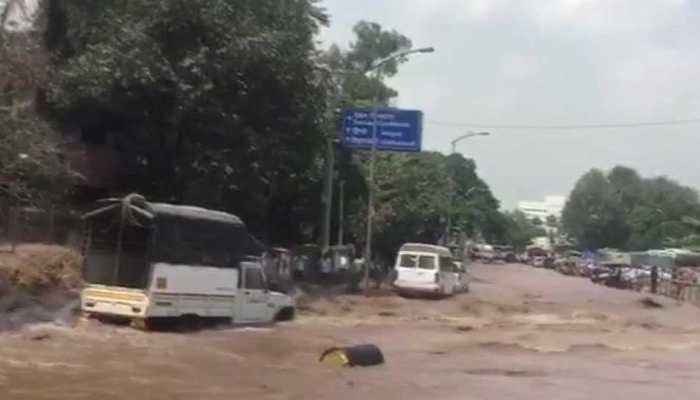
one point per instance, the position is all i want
(152, 261)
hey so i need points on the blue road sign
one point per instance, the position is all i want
(397, 130)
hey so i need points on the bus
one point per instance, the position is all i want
(150, 262)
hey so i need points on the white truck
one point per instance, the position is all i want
(151, 262)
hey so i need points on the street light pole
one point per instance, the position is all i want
(327, 196)
(328, 192)
(341, 212)
(452, 181)
(373, 154)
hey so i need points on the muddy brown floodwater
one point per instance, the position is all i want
(521, 333)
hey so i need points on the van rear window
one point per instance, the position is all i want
(408, 261)
(414, 260)
(426, 262)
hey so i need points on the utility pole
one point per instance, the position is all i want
(452, 182)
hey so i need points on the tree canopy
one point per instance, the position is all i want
(521, 230)
(623, 210)
(31, 170)
(210, 102)
(227, 104)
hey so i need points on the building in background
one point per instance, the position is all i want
(552, 205)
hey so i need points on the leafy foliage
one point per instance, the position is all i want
(413, 201)
(623, 210)
(31, 167)
(211, 102)
(227, 104)
(521, 230)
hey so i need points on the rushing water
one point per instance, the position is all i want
(521, 333)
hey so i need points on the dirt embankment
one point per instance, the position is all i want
(38, 283)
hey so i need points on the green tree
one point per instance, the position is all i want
(650, 213)
(211, 102)
(31, 167)
(413, 201)
(628, 186)
(593, 214)
(473, 208)
(521, 230)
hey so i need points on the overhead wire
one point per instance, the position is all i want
(565, 126)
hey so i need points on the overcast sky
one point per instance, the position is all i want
(548, 62)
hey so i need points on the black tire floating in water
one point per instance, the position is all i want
(364, 355)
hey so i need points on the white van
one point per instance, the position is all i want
(424, 268)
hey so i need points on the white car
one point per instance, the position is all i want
(425, 269)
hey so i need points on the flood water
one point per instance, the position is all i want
(520, 333)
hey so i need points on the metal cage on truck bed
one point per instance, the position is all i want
(126, 235)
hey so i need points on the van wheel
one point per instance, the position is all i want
(189, 323)
(285, 314)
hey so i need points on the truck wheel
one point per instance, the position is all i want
(189, 323)
(285, 314)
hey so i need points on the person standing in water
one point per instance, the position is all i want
(654, 278)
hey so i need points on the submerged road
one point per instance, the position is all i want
(521, 333)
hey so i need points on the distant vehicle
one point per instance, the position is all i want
(571, 264)
(151, 262)
(539, 261)
(611, 274)
(485, 252)
(426, 269)
(504, 253)
(461, 277)
(534, 252)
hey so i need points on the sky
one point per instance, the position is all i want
(547, 62)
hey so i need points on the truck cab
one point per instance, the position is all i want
(255, 302)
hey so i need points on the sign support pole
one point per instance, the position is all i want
(370, 196)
